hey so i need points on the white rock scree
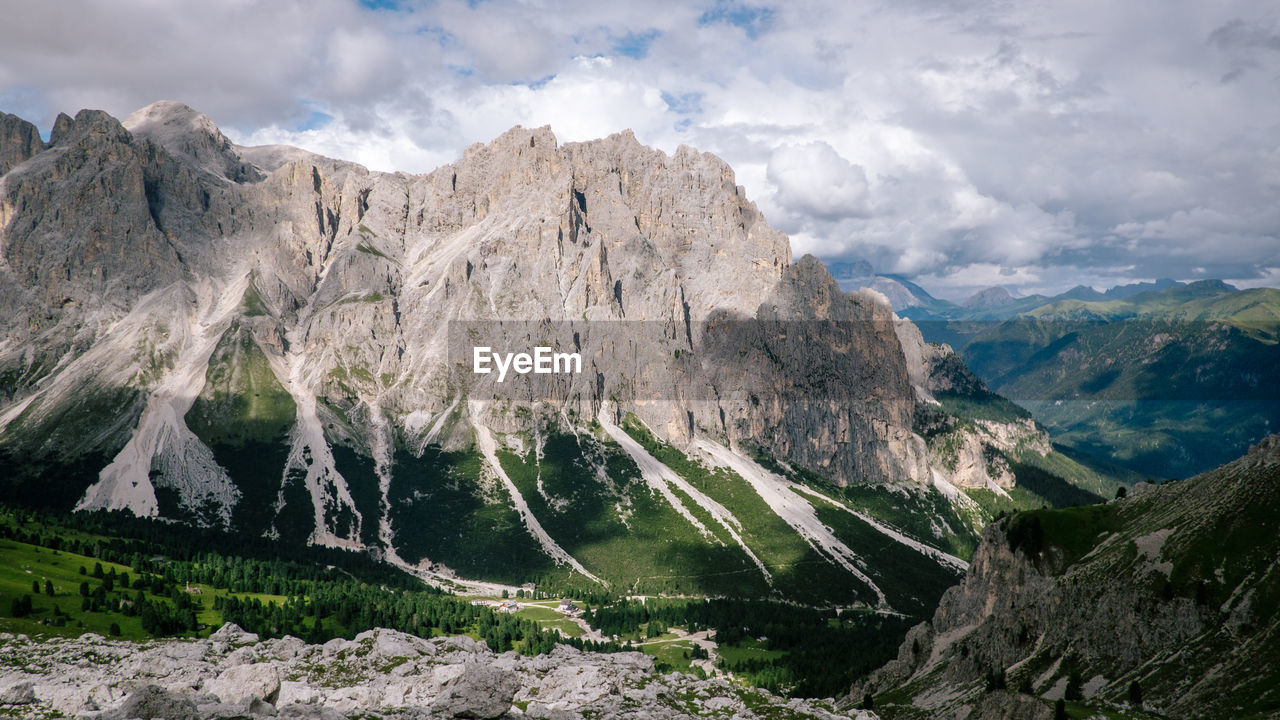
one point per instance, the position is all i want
(380, 674)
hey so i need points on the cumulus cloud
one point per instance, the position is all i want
(814, 180)
(1034, 145)
(963, 281)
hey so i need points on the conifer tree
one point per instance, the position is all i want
(1135, 694)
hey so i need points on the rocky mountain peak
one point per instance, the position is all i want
(514, 141)
(167, 117)
(213, 302)
(78, 225)
(992, 297)
(89, 127)
(61, 127)
(19, 141)
(191, 137)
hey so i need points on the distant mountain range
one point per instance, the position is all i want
(994, 303)
(1167, 378)
(900, 292)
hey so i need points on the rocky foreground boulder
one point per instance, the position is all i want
(380, 674)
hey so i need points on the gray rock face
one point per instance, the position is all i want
(380, 674)
(1129, 591)
(968, 457)
(151, 701)
(232, 633)
(135, 255)
(246, 683)
(20, 693)
(19, 141)
(77, 222)
(191, 138)
(1011, 612)
(477, 691)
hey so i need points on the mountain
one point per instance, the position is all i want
(989, 299)
(993, 303)
(1163, 602)
(1169, 383)
(280, 344)
(1084, 292)
(900, 292)
(19, 140)
(1119, 292)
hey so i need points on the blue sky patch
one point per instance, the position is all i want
(442, 37)
(535, 84)
(635, 45)
(684, 103)
(26, 103)
(315, 120)
(754, 19)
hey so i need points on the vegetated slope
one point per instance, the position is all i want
(1167, 383)
(141, 578)
(1170, 595)
(269, 341)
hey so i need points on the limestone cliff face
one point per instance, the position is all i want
(19, 141)
(973, 454)
(821, 379)
(364, 270)
(133, 252)
(1173, 589)
(77, 222)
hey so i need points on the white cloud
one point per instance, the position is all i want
(1267, 277)
(963, 281)
(361, 63)
(1032, 145)
(589, 99)
(814, 179)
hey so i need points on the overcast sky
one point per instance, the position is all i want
(963, 144)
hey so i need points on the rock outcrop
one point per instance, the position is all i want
(261, 338)
(1173, 589)
(19, 141)
(972, 454)
(379, 674)
(361, 273)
